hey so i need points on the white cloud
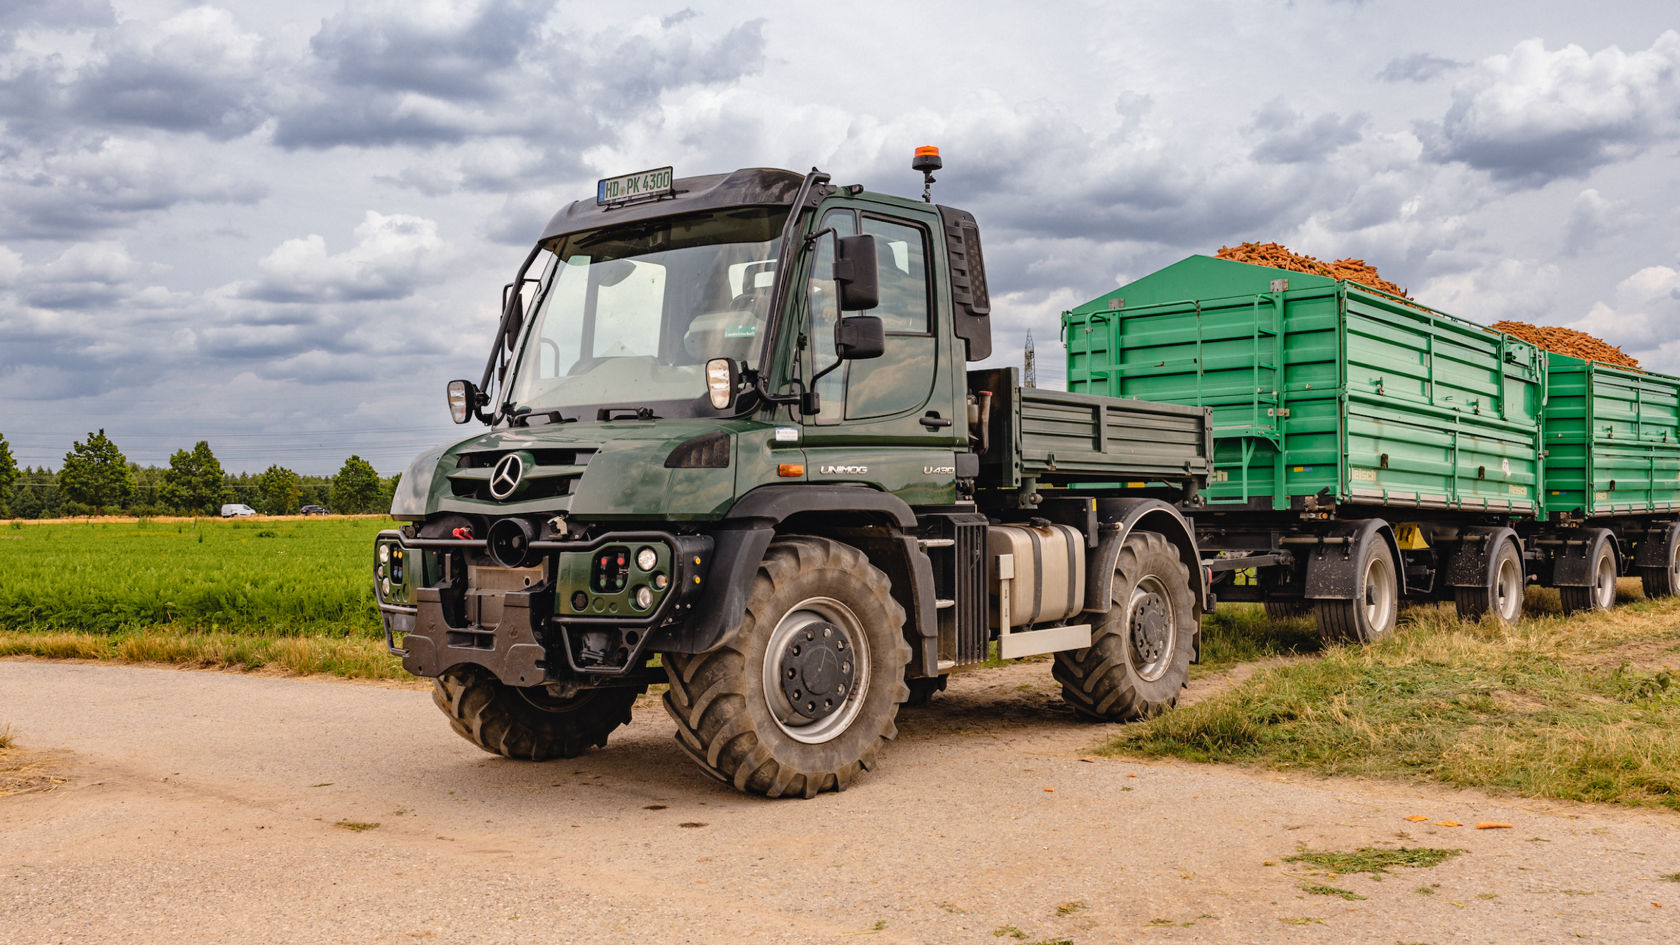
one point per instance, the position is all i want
(1641, 317)
(1535, 114)
(394, 256)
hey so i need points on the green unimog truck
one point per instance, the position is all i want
(733, 445)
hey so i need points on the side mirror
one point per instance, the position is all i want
(854, 270)
(720, 382)
(858, 337)
(513, 315)
(464, 400)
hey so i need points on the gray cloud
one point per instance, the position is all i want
(1535, 115)
(1418, 67)
(1286, 136)
(83, 192)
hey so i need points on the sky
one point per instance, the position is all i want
(282, 228)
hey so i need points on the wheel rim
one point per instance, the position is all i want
(1674, 569)
(1604, 581)
(816, 670)
(1508, 589)
(1379, 594)
(1153, 629)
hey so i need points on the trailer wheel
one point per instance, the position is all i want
(1664, 581)
(1601, 593)
(805, 692)
(1373, 610)
(525, 722)
(1501, 594)
(1286, 609)
(1139, 657)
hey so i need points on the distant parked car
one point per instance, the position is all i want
(313, 510)
(237, 510)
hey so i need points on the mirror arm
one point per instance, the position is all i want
(498, 351)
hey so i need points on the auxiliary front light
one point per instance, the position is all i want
(646, 559)
(644, 598)
(661, 581)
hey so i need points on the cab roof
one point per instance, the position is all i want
(747, 187)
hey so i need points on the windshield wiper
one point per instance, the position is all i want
(522, 416)
(606, 414)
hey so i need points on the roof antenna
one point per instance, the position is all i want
(927, 161)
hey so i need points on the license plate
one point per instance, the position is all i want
(642, 184)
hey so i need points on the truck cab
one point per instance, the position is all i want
(732, 445)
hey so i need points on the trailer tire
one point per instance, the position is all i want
(527, 723)
(1372, 612)
(1664, 581)
(1600, 595)
(813, 603)
(1139, 657)
(1501, 594)
(1286, 609)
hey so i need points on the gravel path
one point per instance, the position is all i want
(213, 807)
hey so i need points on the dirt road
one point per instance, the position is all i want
(209, 807)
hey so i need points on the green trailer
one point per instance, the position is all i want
(1612, 441)
(1323, 392)
(1368, 448)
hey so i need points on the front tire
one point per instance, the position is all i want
(1139, 657)
(804, 694)
(527, 723)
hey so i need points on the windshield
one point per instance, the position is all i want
(628, 316)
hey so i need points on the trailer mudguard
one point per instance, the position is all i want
(1332, 561)
(741, 539)
(1572, 565)
(1471, 565)
(1656, 549)
(1117, 518)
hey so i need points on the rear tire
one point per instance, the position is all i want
(526, 722)
(1600, 595)
(1139, 657)
(1664, 581)
(1502, 593)
(1287, 609)
(1374, 609)
(803, 696)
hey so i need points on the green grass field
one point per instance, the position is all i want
(246, 576)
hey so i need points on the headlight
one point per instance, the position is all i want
(384, 553)
(644, 598)
(647, 559)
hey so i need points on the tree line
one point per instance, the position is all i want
(97, 479)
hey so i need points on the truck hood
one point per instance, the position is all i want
(590, 471)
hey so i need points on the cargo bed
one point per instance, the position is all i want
(1612, 440)
(1322, 391)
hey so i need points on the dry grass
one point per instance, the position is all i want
(25, 772)
(350, 657)
(1582, 708)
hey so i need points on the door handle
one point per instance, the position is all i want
(934, 421)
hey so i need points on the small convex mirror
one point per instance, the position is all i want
(857, 337)
(720, 382)
(463, 400)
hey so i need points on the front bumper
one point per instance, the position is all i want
(559, 619)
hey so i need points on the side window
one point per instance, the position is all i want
(902, 378)
(903, 275)
(823, 301)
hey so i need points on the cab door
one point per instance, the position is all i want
(889, 421)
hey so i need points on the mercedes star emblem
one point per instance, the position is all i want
(505, 477)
